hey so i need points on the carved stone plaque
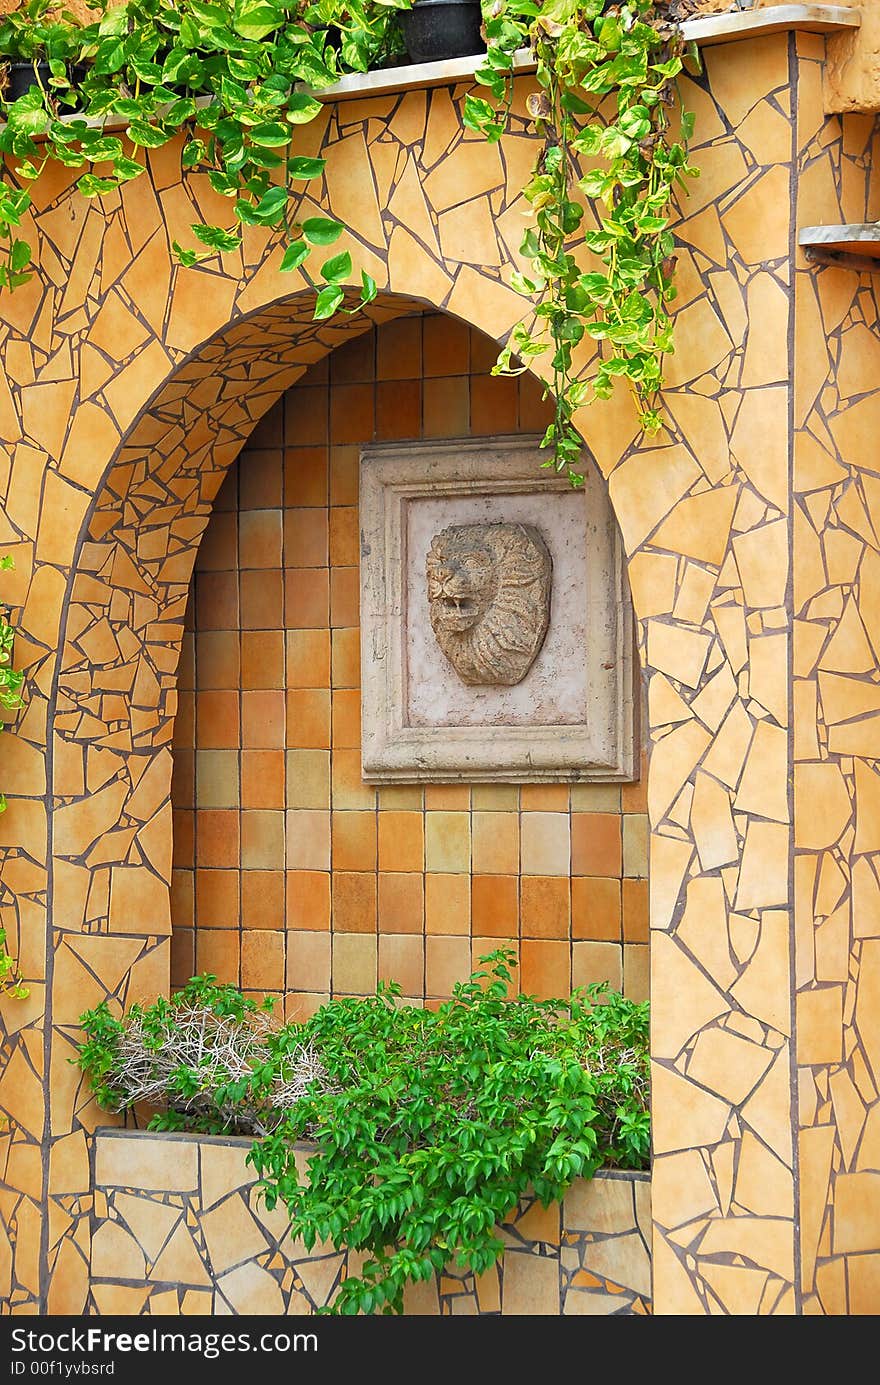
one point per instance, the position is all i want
(489, 597)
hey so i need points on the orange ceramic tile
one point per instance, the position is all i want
(447, 960)
(306, 476)
(447, 842)
(545, 969)
(344, 468)
(307, 598)
(269, 431)
(260, 476)
(594, 962)
(259, 539)
(183, 956)
(355, 960)
(447, 903)
(262, 899)
(308, 658)
(446, 407)
(345, 658)
(446, 345)
(495, 905)
(262, 779)
(217, 659)
(308, 779)
(545, 846)
(346, 714)
(402, 959)
(261, 598)
(351, 413)
(308, 719)
(226, 498)
(484, 352)
(399, 409)
(344, 536)
(544, 906)
(354, 902)
(308, 961)
(354, 361)
(401, 902)
(306, 537)
(496, 843)
(217, 780)
(635, 911)
(300, 1006)
(595, 909)
(448, 796)
(218, 550)
(262, 659)
(401, 841)
(535, 413)
(345, 595)
(217, 601)
(217, 838)
(217, 893)
(347, 787)
(184, 826)
(596, 844)
(493, 404)
(262, 839)
(262, 720)
(353, 840)
(307, 833)
(182, 898)
(634, 797)
(218, 952)
(307, 418)
(399, 349)
(262, 960)
(547, 798)
(308, 899)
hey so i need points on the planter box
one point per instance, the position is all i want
(179, 1228)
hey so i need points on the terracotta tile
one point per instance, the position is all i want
(447, 842)
(495, 905)
(355, 960)
(262, 720)
(308, 839)
(262, 899)
(401, 902)
(308, 658)
(535, 413)
(594, 961)
(596, 844)
(353, 840)
(446, 345)
(227, 496)
(635, 911)
(259, 539)
(635, 845)
(217, 783)
(344, 474)
(308, 961)
(262, 839)
(183, 779)
(217, 952)
(217, 659)
(399, 349)
(545, 847)
(217, 840)
(495, 798)
(260, 475)
(544, 906)
(262, 960)
(346, 714)
(262, 659)
(401, 841)
(218, 548)
(345, 658)
(183, 956)
(446, 407)
(184, 827)
(217, 898)
(269, 432)
(308, 719)
(307, 598)
(261, 598)
(354, 361)
(308, 779)
(182, 899)
(306, 418)
(401, 798)
(347, 787)
(399, 409)
(447, 903)
(300, 1006)
(402, 959)
(447, 960)
(306, 473)
(493, 404)
(449, 797)
(484, 352)
(595, 798)
(547, 798)
(217, 601)
(308, 899)
(545, 969)
(496, 843)
(306, 537)
(351, 413)
(354, 902)
(345, 596)
(636, 971)
(262, 778)
(595, 909)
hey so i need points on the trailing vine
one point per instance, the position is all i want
(10, 699)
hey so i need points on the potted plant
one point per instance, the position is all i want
(40, 51)
(438, 29)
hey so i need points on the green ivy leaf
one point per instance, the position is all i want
(294, 256)
(302, 167)
(255, 19)
(322, 230)
(216, 238)
(337, 269)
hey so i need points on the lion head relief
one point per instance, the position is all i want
(489, 598)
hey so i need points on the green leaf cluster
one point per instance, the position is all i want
(10, 698)
(428, 1126)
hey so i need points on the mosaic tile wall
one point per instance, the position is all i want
(836, 739)
(130, 386)
(290, 861)
(180, 1229)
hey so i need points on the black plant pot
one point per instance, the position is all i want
(24, 75)
(438, 29)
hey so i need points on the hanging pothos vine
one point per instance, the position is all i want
(235, 78)
(10, 700)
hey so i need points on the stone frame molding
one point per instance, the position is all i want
(601, 747)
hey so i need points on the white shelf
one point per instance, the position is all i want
(854, 245)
